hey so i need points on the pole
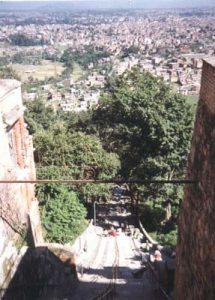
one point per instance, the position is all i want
(99, 181)
(94, 212)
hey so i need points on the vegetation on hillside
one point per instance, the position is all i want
(141, 130)
(64, 153)
(84, 59)
(20, 39)
(149, 127)
(63, 216)
(8, 73)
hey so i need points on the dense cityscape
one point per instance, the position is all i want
(70, 57)
(107, 130)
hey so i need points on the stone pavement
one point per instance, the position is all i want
(95, 270)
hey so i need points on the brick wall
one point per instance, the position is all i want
(207, 92)
(195, 268)
(19, 213)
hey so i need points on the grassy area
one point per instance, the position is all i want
(193, 101)
(78, 72)
(45, 70)
(153, 235)
(61, 47)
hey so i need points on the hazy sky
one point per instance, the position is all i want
(134, 1)
(141, 3)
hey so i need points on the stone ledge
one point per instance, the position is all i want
(210, 61)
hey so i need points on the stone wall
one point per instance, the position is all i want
(195, 271)
(19, 213)
(42, 273)
(27, 269)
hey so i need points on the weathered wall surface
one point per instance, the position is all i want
(19, 214)
(38, 272)
(195, 271)
(42, 273)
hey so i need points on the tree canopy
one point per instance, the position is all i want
(63, 216)
(84, 57)
(39, 116)
(82, 154)
(146, 124)
(20, 39)
(149, 127)
(140, 130)
(8, 73)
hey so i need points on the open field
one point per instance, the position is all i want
(77, 73)
(61, 47)
(40, 72)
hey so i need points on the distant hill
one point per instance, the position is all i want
(101, 4)
(53, 5)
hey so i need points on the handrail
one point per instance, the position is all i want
(148, 263)
(160, 287)
(153, 272)
(153, 242)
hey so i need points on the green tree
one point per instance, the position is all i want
(146, 124)
(39, 116)
(63, 216)
(74, 155)
(169, 239)
(149, 127)
(8, 73)
(20, 39)
(82, 57)
(67, 57)
(132, 50)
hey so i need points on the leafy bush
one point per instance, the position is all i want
(63, 216)
(169, 239)
(151, 217)
(19, 39)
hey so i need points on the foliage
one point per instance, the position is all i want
(66, 155)
(8, 73)
(74, 155)
(161, 195)
(169, 239)
(81, 121)
(67, 58)
(140, 126)
(39, 116)
(149, 127)
(151, 216)
(4, 60)
(84, 57)
(63, 216)
(19, 58)
(193, 101)
(82, 153)
(129, 50)
(20, 39)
